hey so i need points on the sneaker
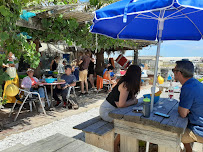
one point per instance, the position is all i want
(57, 103)
(64, 104)
(81, 94)
(86, 93)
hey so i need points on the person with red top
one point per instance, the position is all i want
(31, 83)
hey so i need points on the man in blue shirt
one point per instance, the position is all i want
(63, 88)
(191, 103)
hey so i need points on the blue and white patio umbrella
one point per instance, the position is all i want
(151, 20)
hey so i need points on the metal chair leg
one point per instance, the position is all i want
(34, 105)
(41, 104)
(30, 104)
(14, 105)
(21, 107)
(12, 108)
(46, 95)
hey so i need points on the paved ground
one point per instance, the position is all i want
(31, 127)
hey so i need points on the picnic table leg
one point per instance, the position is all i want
(147, 147)
(163, 148)
(129, 144)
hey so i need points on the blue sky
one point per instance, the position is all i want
(171, 49)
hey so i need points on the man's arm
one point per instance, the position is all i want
(80, 62)
(183, 111)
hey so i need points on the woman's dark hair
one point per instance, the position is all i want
(110, 67)
(132, 79)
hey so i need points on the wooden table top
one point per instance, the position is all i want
(174, 123)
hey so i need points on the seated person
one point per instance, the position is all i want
(191, 103)
(107, 76)
(31, 83)
(111, 73)
(63, 88)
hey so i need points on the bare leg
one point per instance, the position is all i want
(116, 143)
(82, 86)
(91, 79)
(86, 85)
(188, 147)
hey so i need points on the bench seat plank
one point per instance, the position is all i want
(87, 123)
(104, 129)
(92, 128)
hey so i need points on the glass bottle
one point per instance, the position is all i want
(170, 92)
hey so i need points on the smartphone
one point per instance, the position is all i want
(162, 114)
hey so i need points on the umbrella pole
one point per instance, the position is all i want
(155, 73)
(161, 27)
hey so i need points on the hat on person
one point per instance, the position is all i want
(30, 69)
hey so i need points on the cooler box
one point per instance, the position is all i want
(123, 61)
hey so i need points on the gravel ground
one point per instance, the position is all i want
(63, 126)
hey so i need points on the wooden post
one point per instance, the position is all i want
(105, 142)
(162, 148)
(135, 61)
(129, 144)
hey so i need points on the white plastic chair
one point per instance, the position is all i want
(27, 94)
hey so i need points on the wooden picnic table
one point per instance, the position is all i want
(166, 132)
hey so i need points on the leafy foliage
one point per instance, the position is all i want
(10, 11)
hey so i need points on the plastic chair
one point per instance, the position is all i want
(72, 101)
(27, 94)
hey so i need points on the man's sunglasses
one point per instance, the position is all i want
(174, 70)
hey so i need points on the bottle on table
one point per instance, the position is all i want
(43, 78)
(146, 107)
(170, 92)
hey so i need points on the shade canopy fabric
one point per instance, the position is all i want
(140, 19)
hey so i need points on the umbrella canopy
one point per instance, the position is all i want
(128, 19)
(151, 20)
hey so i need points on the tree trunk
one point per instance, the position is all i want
(37, 71)
(135, 61)
(99, 62)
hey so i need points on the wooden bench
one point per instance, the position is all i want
(98, 133)
(56, 143)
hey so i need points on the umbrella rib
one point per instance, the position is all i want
(149, 17)
(174, 17)
(174, 13)
(192, 23)
(154, 14)
(125, 26)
